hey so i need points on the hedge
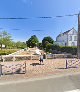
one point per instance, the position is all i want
(6, 52)
(68, 49)
(55, 49)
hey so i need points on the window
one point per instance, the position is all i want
(73, 44)
(75, 38)
(65, 44)
(70, 38)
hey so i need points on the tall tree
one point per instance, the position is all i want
(21, 44)
(12, 45)
(33, 41)
(47, 40)
(5, 38)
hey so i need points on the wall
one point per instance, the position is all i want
(65, 38)
(61, 40)
(72, 33)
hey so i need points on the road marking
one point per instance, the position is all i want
(77, 90)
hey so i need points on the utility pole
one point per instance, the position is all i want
(78, 39)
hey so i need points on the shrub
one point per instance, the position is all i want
(6, 52)
(68, 49)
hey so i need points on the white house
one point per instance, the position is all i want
(68, 38)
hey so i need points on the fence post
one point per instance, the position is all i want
(3, 59)
(66, 64)
(46, 56)
(0, 69)
(25, 66)
(13, 58)
(31, 56)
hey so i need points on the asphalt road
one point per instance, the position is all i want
(70, 83)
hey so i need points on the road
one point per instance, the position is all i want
(70, 83)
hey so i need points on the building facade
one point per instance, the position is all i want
(68, 38)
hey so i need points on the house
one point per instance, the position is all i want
(68, 38)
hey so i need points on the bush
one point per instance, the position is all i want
(6, 52)
(56, 49)
(68, 49)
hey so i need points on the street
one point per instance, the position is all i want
(70, 83)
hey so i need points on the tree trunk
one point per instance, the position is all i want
(1, 46)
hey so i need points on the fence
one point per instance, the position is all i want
(73, 63)
(19, 57)
(32, 57)
(12, 68)
(53, 56)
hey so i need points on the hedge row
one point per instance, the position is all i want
(6, 52)
(72, 50)
(55, 49)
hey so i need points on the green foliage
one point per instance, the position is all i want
(47, 40)
(56, 49)
(5, 38)
(33, 41)
(11, 45)
(48, 48)
(68, 49)
(21, 45)
(52, 48)
(6, 52)
(40, 46)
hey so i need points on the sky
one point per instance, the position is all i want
(41, 27)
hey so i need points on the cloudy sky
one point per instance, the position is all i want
(22, 30)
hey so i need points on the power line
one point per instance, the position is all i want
(43, 17)
(14, 18)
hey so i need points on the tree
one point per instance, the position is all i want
(49, 48)
(5, 38)
(33, 41)
(47, 40)
(40, 45)
(21, 44)
(11, 45)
